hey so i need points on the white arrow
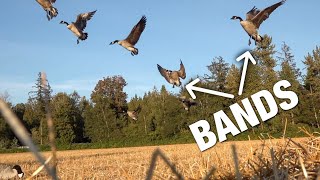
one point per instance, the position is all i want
(246, 56)
(190, 88)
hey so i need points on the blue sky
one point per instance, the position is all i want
(189, 30)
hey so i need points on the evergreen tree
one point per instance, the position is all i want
(35, 114)
(263, 54)
(291, 73)
(312, 83)
(312, 79)
(217, 81)
(218, 73)
(266, 63)
(77, 110)
(85, 107)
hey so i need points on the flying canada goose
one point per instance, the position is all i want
(254, 19)
(80, 24)
(133, 37)
(187, 103)
(8, 172)
(134, 114)
(47, 5)
(173, 77)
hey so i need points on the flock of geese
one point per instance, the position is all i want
(254, 18)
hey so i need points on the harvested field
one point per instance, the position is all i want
(134, 162)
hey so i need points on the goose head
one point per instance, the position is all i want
(63, 22)
(113, 42)
(19, 171)
(236, 17)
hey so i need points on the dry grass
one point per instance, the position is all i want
(133, 163)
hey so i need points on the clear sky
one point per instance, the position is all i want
(194, 31)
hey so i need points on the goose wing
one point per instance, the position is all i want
(82, 19)
(133, 115)
(136, 31)
(265, 13)
(138, 109)
(182, 98)
(252, 13)
(165, 73)
(130, 113)
(192, 102)
(6, 171)
(46, 3)
(182, 71)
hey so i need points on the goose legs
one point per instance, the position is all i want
(135, 52)
(51, 13)
(48, 15)
(256, 39)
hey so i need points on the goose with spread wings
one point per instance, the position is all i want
(134, 114)
(173, 77)
(133, 37)
(47, 5)
(254, 19)
(78, 27)
(187, 103)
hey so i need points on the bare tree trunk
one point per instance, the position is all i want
(145, 124)
(41, 132)
(314, 108)
(163, 113)
(104, 118)
(292, 118)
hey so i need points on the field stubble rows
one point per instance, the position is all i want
(134, 162)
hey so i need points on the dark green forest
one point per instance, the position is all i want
(101, 119)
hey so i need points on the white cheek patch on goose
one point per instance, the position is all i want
(20, 175)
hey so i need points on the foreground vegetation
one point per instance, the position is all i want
(101, 120)
(254, 158)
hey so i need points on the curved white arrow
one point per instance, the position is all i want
(190, 88)
(246, 56)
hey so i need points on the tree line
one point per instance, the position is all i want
(102, 117)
